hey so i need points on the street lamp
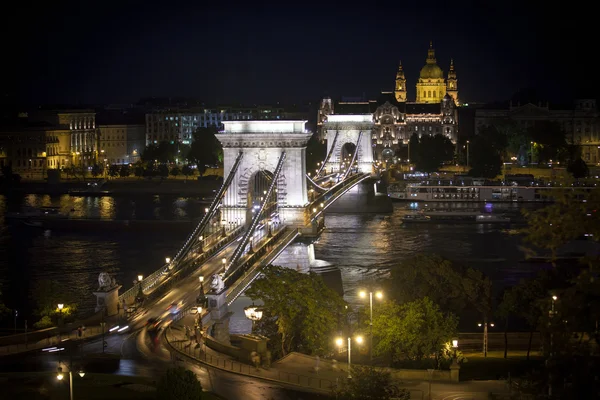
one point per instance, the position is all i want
(199, 321)
(269, 229)
(201, 241)
(201, 297)
(60, 308)
(253, 313)
(455, 347)
(379, 295)
(223, 224)
(60, 376)
(467, 154)
(224, 262)
(485, 336)
(251, 250)
(340, 342)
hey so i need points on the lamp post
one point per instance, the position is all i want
(201, 241)
(199, 319)
(223, 224)
(379, 295)
(140, 291)
(455, 347)
(201, 297)
(467, 154)
(60, 376)
(16, 315)
(253, 313)
(269, 229)
(485, 336)
(340, 342)
(60, 308)
(168, 262)
(224, 262)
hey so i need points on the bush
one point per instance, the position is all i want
(179, 384)
(44, 323)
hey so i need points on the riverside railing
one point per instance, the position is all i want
(200, 355)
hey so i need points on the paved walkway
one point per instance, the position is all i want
(312, 374)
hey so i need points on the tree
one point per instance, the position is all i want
(566, 219)
(46, 295)
(163, 171)
(138, 169)
(417, 330)
(452, 287)
(433, 152)
(114, 170)
(414, 154)
(175, 171)
(578, 168)
(507, 308)
(96, 170)
(4, 311)
(306, 310)
(369, 383)
(179, 384)
(486, 151)
(205, 149)
(549, 141)
(124, 171)
(187, 171)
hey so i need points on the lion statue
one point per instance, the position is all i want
(104, 281)
(216, 283)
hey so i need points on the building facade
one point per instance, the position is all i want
(396, 119)
(178, 125)
(580, 121)
(121, 143)
(49, 139)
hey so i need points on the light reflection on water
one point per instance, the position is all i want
(363, 246)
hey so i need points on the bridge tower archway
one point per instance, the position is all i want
(263, 143)
(343, 130)
(258, 186)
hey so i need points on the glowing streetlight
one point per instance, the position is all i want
(254, 314)
(140, 278)
(485, 336)
(340, 342)
(379, 295)
(167, 260)
(224, 262)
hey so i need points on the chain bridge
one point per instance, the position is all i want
(266, 202)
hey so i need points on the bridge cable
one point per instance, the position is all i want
(330, 152)
(212, 209)
(245, 239)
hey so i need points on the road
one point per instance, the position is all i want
(140, 356)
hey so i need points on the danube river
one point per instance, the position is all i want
(362, 246)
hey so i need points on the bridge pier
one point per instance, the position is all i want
(299, 256)
(365, 197)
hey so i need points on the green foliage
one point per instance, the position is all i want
(447, 284)
(567, 218)
(4, 311)
(369, 383)
(316, 151)
(138, 170)
(45, 322)
(578, 168)
(46, 296)
(179, 384)
(163, 170)
(413, 149)
(124, 171)
(549, 142)
(187, 170)
(307, 312)
(417, 330)
(96, 170)
(205, 149)
(433, 152)
(114, 170)
(175, 171)
(486, 152)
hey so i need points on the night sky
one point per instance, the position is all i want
(119, 52)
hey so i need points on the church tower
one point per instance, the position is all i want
(452, 83)
(400, 91)
(431, 87)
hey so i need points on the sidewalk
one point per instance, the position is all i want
(51, 340)
(316, 375)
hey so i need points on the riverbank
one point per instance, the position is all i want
(120, 186)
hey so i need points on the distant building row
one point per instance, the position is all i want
(39, 140)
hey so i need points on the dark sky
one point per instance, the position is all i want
(252, 52)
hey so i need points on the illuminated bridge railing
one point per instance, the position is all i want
(320, 204)
(257, 217)
(194, 237)
(237, 282)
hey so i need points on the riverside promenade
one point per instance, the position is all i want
(306, 373)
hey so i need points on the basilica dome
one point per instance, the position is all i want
(431, 71)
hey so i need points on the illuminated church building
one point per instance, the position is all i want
(396, 119)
